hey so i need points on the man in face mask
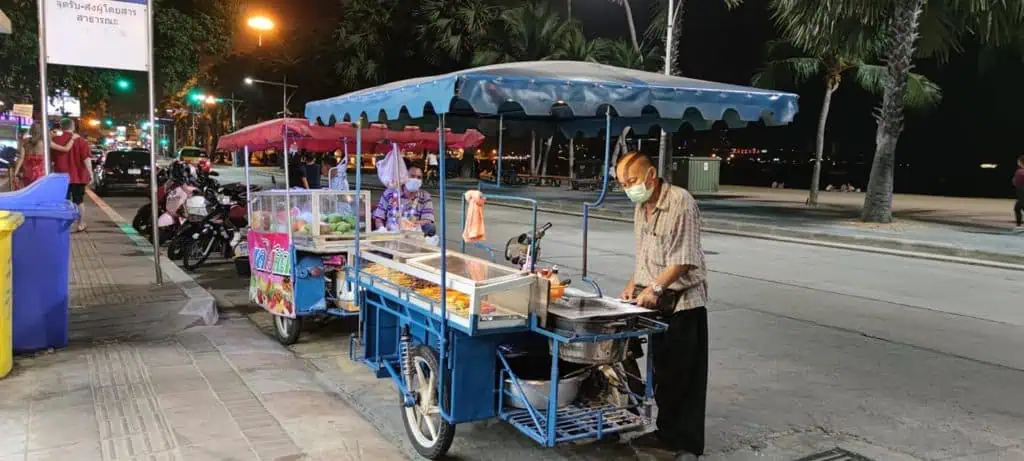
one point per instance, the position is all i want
(405, 208)
(670, 277)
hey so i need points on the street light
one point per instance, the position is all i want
(284, 110)
(260, 24)
(94, 122)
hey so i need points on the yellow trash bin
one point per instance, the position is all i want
(9, 222)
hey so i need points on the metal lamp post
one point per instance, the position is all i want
(284, 105)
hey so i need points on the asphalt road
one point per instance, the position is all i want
(892, 357)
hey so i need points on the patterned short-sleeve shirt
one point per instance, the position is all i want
(671, 236)
(394, 206)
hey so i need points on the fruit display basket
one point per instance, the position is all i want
(318, 217)
(481, 295)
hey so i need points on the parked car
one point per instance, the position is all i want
(123, 169)
(195, 156)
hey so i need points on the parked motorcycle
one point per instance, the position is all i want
(221, 230)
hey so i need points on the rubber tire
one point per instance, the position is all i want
(446, 431)
(291, 336)
(175, 252)
(186, 254)
(142, 221)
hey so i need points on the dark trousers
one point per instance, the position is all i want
(680, 361)
(1018, 208)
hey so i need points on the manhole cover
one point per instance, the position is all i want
(837, 454)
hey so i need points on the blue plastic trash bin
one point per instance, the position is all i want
(41, 263)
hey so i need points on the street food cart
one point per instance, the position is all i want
(465, 339)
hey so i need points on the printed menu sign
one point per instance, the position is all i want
(270, 285)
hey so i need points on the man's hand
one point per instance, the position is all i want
(627, 293)
(647, 299)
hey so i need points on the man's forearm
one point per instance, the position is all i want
(670, 275)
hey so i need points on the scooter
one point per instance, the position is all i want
(220, 230)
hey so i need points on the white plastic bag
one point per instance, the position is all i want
(391, 170)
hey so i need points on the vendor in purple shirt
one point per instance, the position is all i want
(410, 204)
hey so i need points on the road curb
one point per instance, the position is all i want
(201, 303)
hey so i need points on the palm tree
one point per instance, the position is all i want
(458, 27)
(628, 9)
(844, 50)
(575, 46)
(534, 32)
(912, 28)
(622, 54)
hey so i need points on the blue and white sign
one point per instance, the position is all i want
(110, 34)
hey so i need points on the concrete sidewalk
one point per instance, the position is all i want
(218, 393)
(149, 377)
(113, 290)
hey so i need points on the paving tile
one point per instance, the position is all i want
(302, 404)
(121, 448)
(79, 451)
(221, 450)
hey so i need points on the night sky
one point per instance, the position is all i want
(939, 151)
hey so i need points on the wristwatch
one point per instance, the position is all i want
(657, 289)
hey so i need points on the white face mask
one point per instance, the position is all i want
(413, 184)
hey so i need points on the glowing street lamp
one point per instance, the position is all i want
(94, 122)
(260, 24)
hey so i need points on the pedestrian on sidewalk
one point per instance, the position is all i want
(669, 276)
(1018, 184)
(76, 163)
(28, 167)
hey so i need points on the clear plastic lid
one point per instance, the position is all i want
(467, 267)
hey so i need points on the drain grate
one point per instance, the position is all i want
(837, 454)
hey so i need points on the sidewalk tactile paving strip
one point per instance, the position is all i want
(836, 454)
(92, 283)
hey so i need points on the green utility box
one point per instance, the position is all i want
(696, 174)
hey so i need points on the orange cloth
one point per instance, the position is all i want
(474, 231)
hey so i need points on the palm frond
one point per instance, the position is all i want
(788, 72)
(922, 93)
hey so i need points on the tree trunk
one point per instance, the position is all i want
(544, 159)
(902, 37)
(572, 158)
(632, 26)
(533, 152)
(568, 9)
(831, 84)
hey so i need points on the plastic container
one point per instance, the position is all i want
(9, 222)
(41, 250)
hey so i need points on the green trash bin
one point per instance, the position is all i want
(697, 174)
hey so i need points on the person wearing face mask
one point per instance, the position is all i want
(405, 208)
(669, 276)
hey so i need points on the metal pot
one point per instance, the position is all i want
(592, 353)
(537, 391)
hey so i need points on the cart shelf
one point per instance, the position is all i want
(576, 422)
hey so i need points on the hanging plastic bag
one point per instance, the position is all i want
(392, 171)
(337, 177)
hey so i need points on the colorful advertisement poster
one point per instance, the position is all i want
(270, 285)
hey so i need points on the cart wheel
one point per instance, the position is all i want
(286, 330)
(431, 435)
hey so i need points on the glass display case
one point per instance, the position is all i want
(318, 217)
(480, 295)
